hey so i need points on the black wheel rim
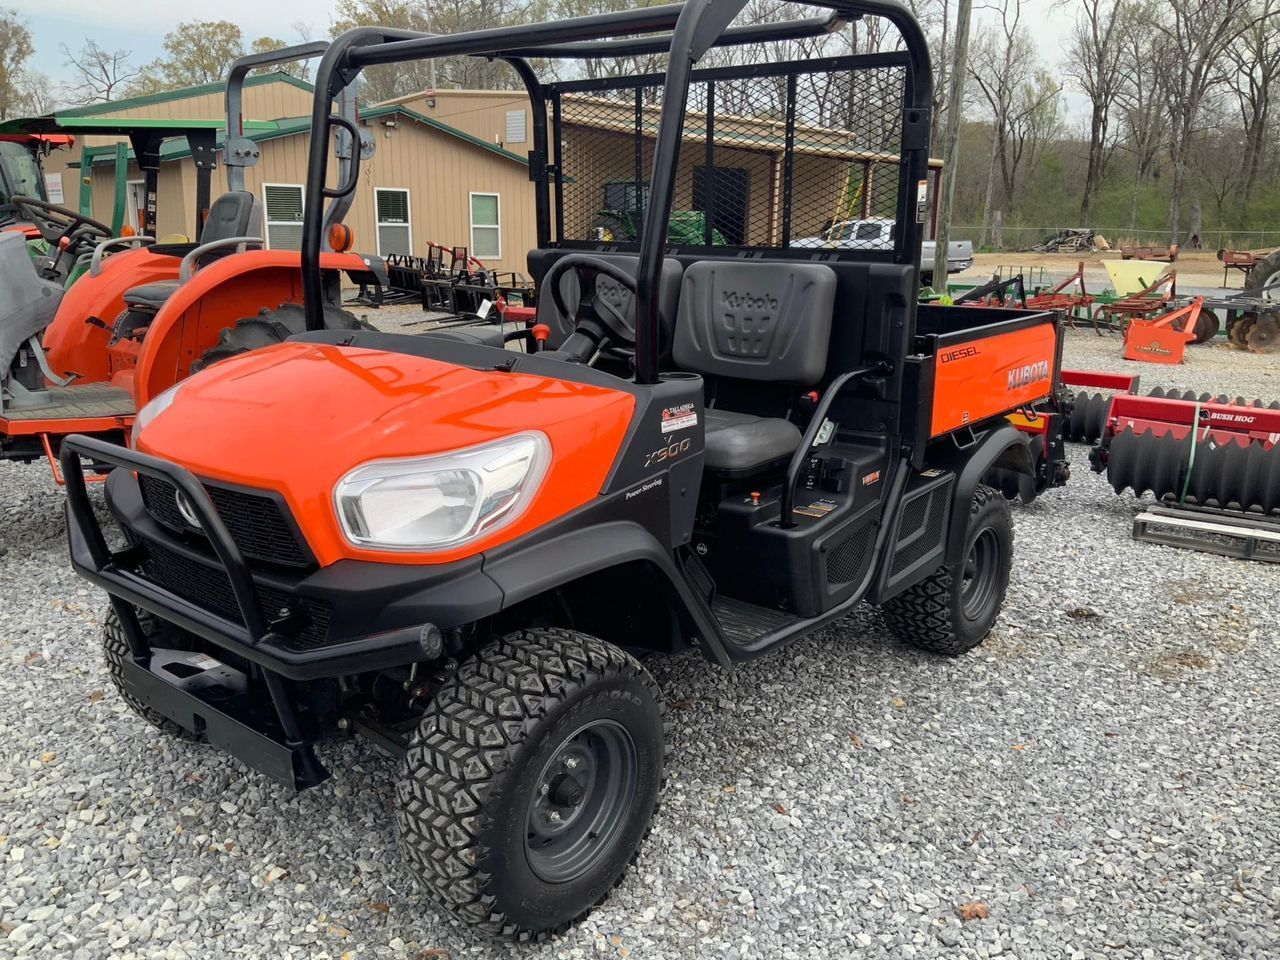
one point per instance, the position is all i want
(580, 801)
(978, 590)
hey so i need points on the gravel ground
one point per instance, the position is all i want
(1102, 777)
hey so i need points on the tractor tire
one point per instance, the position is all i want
(1264, 272)
(954, 608)
(270, 327)
(532, 780)
(115, 649)
(607, 229)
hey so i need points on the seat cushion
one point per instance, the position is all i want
(741, 442)
(151, 296)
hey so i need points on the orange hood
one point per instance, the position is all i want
(297, 417)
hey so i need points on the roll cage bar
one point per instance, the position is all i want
(240, 151)
(685, 31)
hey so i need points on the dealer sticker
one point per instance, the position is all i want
(819, 508)
(679, 418)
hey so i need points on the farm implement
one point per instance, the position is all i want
(1215, 467)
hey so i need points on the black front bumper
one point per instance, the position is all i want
(377, 611)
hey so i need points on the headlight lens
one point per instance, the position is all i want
(157, 405)
(426, 503)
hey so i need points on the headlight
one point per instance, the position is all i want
(426, 503)
(158, 405)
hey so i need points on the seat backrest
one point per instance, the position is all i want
(27, 300)
(614, 293)
(234, 214)
(755, 320)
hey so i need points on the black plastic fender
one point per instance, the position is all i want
(556, 561)
(1005, 447)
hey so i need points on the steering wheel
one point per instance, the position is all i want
(597, 322)
(56, 222)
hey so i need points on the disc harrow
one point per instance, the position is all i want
(1087, 417)
(1221, 456)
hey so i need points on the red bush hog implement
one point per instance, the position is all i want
(1215, 467)
(145, 315)
(460, 550)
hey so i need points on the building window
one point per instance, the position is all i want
(517, 132)
(485, 226)
(284, 215)
(394, 225)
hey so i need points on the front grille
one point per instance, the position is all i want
(256, 522)
(210, 589)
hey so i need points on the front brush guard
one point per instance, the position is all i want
(207, 699)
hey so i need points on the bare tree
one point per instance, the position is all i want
(1001, 62)
(1031, 122)
(1255, 81)
(1200, 31)
(1094, 54)
(99, 73)
(15, 49)
(1140, 102)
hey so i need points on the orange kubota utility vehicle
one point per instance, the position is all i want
(461, 551)
(146, 314)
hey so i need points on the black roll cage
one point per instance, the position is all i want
(695, 27)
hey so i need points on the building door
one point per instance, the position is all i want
(721, 192)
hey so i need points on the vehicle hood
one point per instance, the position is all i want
(297, 417)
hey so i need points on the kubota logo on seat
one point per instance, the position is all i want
(745, 301)
(1028, 374)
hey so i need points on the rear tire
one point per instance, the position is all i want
(115, 648)
(1262, 273)
(954, 608)
(531, 781)
(270, 327)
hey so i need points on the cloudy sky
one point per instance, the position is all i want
(140, 26)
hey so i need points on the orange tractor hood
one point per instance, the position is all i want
(296, 418)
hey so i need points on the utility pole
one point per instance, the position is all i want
(951, 150)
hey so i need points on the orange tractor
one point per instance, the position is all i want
(145, 315)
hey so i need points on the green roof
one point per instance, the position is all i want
(293, 126)
(54, 123)
(165, 96)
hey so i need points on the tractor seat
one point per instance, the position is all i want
(150, 296)
(234, 214)
(764, 322)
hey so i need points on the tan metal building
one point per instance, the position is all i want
(427, 181)
(599, 152)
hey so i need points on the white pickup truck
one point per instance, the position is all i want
(876, 233)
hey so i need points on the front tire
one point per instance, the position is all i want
(115, 649)
(532, 780)
(954, 608)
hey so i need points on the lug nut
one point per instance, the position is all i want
(571, 762)
(554, 816)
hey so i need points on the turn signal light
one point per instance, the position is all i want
(341, 238)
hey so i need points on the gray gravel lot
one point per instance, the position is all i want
(1103, 775)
